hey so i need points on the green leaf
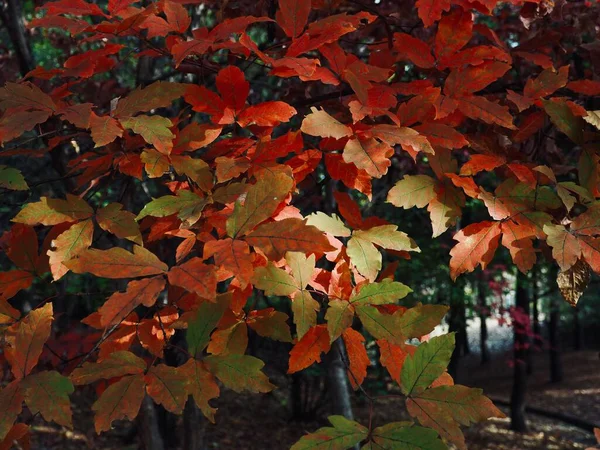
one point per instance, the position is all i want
(305, 309)
(421, 320)
(154, 129)
(385, 292)
(12, 179)
(48, 393)
(339, 316)
(52, 211)
(381, 326)
(274, 281)
(343, 435)
(445, 408)
(186, 205)
(404, 436)
(239, 372)
(564, 119)
(411, 191)
(204, 322)
(427, 364)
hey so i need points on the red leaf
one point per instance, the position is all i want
(292, 16)
(197, 277)
(454, 30)
(357, 357)
(233, 87)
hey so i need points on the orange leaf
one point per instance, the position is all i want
(117, 263)
(477, 244)
(197, 277)
(26, 340)
(122, 400)
(288, 235)
(308, 350)
(69, 245)
(120, 304)
(357, 357)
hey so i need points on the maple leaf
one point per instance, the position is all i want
(233, 87)
(11, 399)
(12, 179)
(344, 434)
(339, 316)
(121, 400)
(195, 276)
(412, 190)
(357, 357)
(233, 256)
(121, 304)
(292, 16)
(121, 223)
(239, 372)
(116, 364)
(445, 408)
(477, 244)
(277, 238)
(261, 201)
(48, 393)
(104, 129)
(369, 155)
(565, 246)
(144, 99)
(201, 385)
(392, 357)
(573, 281)
(52, 211)
(363, 254)
(274, 281)
(404, 435)
(267, 114)
(328, 224)
(319, 123)
(187, 205)
(427, 363)
(421, 320)
(69, 245)
(13, 281)
(117, 263)
(430, 11)
(26, 340)
(380, 325)
(270, 323)
(304, 309)
(167, 387)
(408, 138)
(309, 348)
(203, 321)
(384, 292)
(154, 129)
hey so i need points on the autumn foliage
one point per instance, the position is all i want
(232, 174)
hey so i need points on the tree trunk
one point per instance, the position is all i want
(521, 343)
(148, 429)
(483, 315)
(12, 16)
(556, 370)
(455, 319)
(194, 425)
(337, 380)
(577, 331)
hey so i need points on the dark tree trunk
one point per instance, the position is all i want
(337, 380)
(457, 306)
(193, 427)
(556, 369)
(148, 428)
(577, 331)
(535, 330)
(12, 17)
(483, 315)
(521, 344)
